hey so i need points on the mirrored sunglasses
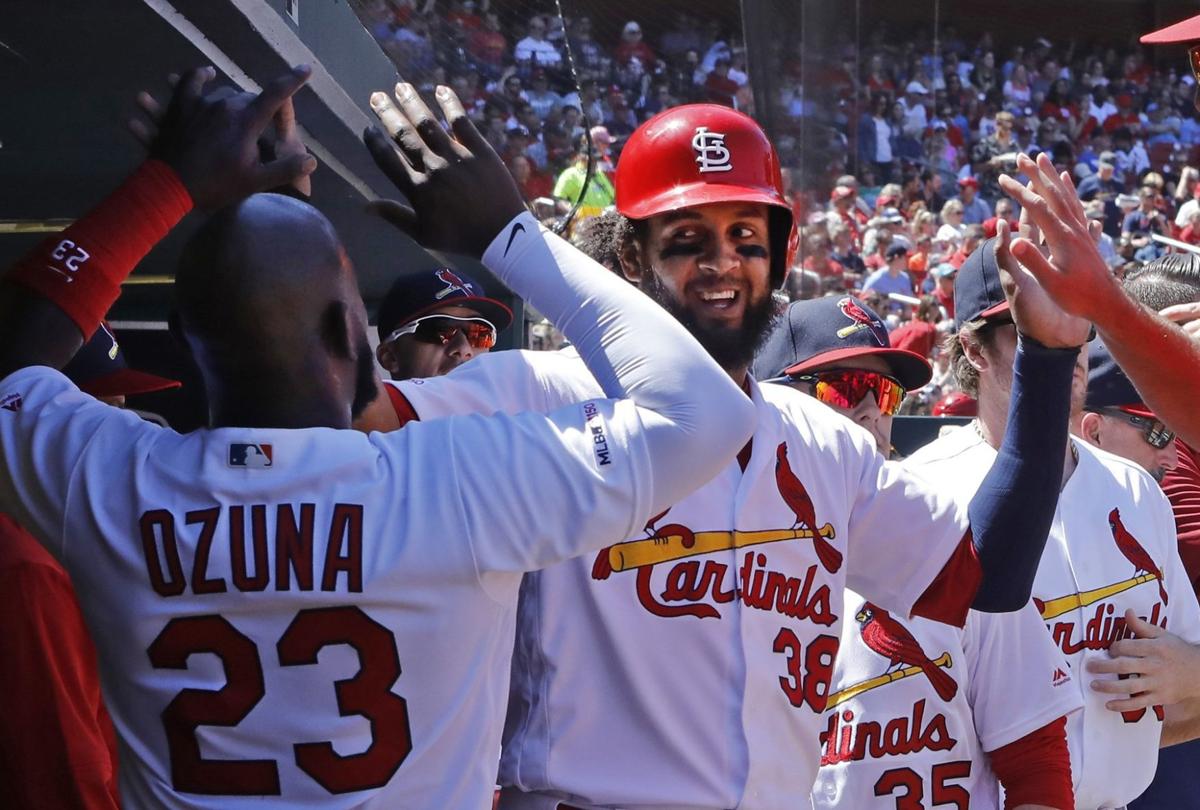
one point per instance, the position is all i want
(440, 330)
(1154, 432)
(847, 388)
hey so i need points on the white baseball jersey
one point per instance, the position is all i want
(291, 618)
(1112, 524)
(687, 665)
(916, 706)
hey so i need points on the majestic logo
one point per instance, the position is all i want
(1059, 677)
(711, 153)
(11, 402)
(453, 283)
(862, 319)
(251, 455)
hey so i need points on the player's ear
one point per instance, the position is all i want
(973, 350)
(337, 330)
(385, 353)
(630, 258)
(1089, 428)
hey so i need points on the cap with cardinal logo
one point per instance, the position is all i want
(1108, 387)
(977, 290)
(697, 154)
(423, 292)
(826, 330)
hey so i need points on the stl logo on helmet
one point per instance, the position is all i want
(711, 153)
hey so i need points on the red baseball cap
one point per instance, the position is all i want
(969, 181)
(1182, 31)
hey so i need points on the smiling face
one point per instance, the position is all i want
(709, 266)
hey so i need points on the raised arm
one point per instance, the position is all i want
(1162, 361)
(464, 196)
(204, 154)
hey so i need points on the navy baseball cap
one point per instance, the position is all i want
(825, 330)
(1108, 386)
(99, 369)
(421, 293)
(977, 290)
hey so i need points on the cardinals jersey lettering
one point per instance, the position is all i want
(331, 630)
(916, 705)
(688, 663)
(1111, 547)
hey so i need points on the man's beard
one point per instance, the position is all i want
(365, 388)
(732, 347)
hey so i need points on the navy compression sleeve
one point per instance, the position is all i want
(1011, 513)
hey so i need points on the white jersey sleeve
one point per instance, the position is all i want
(503, 382)
(50, 434)
(1018, 680)
(892, 505)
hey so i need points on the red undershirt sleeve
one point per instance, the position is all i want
(1036, 769)
(949, 596)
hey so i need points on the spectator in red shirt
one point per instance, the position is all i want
(1125, 116)
(818, 260)
(1003, 210)
(533, 184)
(488, 45)
(943, 290)
(920, 334)
(972, 236)
(632, 45)
(720, 88)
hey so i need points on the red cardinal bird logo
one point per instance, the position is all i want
(453, 283)
(862, 320)
(887, 637)
(1133, 551)
(796, 497)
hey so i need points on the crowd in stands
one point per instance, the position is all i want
(908, 141)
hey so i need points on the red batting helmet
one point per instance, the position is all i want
(705, 153)
(956, 403)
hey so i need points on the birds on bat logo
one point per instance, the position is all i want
(792, 490)
(453, 283)
(1134, 551)
(861, 319)
(888, 638)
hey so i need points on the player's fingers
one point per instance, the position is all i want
(1123, 665)
(1039, 212)
(1072, 194)
(1120, 686)
(1182, 313)
(191, 84)
(285, 120)
(396, 214)
(1132, 704)
(1033, 260)
(1044, 183)
(435, 139)
(141, 131)
(284, 171)
(469, 140)
(1134, 648)
(412, 147)
(1143, 628)
(389, 161)
(150, 106)
(262, 109)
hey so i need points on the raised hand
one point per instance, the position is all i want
(211, 139)
(461, 192)
(1073, 274)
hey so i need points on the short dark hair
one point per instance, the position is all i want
(1167, 281)
(600, 238)
(966, 376)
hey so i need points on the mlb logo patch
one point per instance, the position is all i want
(252, 455)
(11, 402)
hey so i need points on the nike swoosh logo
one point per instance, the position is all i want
(520, 226)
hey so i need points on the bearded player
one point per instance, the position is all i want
(1089, 589)
(971, 720)
(289, 613)
(689, 664)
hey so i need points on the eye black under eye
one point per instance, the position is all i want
(753, 251)
(680, 249)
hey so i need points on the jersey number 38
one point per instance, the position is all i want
(367, 694)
